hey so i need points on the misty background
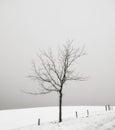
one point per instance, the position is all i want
(29, 25)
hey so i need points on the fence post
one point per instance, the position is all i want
(105, 107)
(76, 115)
(87, 113)
(39, 121)
(109, 108)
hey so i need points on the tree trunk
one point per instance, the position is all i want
(60, 106)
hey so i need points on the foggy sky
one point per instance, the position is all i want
(29, 25)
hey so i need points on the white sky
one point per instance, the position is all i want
(29, 25)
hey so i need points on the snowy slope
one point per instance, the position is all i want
(26, 119)
(99, 122)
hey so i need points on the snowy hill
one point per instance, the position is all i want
(98, 122)
(27, 119)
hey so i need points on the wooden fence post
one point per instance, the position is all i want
(39, 121)
(109, 108)
(76, 115)
(87, 113)
(105, 107)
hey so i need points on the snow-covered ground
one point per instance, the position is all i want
(27, 119)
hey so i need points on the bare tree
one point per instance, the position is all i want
(52, 73)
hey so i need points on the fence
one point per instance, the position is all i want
(88, 112)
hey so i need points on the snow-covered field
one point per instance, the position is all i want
(27, 119)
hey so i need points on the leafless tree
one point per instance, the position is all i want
(52, 73)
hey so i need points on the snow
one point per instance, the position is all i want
(27, 119)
